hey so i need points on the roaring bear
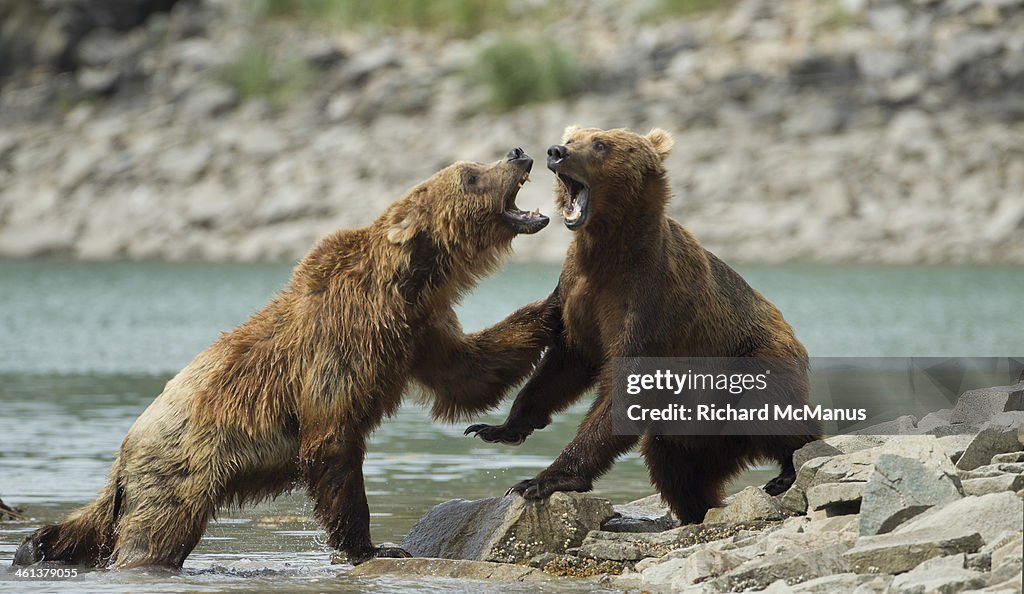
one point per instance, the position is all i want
(635, 283)
(289, 397)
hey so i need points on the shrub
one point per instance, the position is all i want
(515, 72)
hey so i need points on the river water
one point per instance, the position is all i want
(84, 348)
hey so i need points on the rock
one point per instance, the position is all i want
(849, 444)
(901, 551)
(449, 568)
(794, 567)
(640, 518)
(624, 546)
(843, 582)
(994, 484)
(901, 488)
(97, 81)
(1006, 561)
(749, 505)
(184, 164)
(905, 425)
(680, 572)
(944, 575)
(990, 441)
(991, 470)
(1008, 458)
(209, 99)
(955, 445)
(835, 498)
(814, 449)
(506, 529)
(992, 516)
(939, 418)
(978, 406)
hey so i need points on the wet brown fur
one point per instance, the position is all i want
(636, 283)
(289, 397)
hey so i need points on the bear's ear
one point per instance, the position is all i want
(662, 142)
(569, 131)
(404, 223)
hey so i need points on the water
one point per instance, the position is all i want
(84, 348)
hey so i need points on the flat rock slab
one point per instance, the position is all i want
(450, 568)
(902, 551)
(992, 440)
(794, 567)
(624, 546)
(993, 484)
(506, 529)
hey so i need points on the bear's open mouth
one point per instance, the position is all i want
(575, 212)
(520, 220)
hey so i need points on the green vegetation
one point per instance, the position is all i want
(260, 70)
(515, 73)
(455, 17)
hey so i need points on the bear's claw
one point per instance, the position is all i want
(780, 484)
(385, 552)
(544, 487)
(497, 433)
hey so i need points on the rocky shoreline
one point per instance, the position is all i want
(938, 507)
(847, 131)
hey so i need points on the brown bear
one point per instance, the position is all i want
(289, 397)
(635, 283)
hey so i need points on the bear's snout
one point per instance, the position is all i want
(556, 153)
(516, 154)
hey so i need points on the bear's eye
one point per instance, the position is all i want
(471, 180)
(600, 146)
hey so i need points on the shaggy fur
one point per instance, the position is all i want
(636, 284)
(289, 397)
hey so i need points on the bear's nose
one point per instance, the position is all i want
(515, 154)
(557, 152)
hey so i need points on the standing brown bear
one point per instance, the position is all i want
(636, 284)
(290, 396)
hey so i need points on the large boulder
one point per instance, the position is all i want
(942, 575)
(997, 436)
(978, 406)
(449, 568)
(506, 529)
(792, 567)
(649, 514)
(902, 487)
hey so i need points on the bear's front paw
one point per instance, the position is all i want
(385, 552)
(542, 487)
(498, 433)
(780, 484)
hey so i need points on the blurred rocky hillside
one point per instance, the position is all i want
(806, 130)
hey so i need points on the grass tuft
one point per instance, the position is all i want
(515, 73)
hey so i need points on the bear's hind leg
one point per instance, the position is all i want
(334, 480)
(690, 472)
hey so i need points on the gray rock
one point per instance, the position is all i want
(1008, 458)
(625, 546)
(449, 568)
(992, 516)
(814, 449)
(955, 445)
(506, 529)
(990, 441)
(939, 575)
(748, 505)
(978, 406)
(97, 81)
(209, 99)
(836, 498)
(905, 425)
(848, 444)
(939, 418)
(680, 572)
(640, 518)
(793, 568)
(901, 488)
(993, 484)
(901, 551)
(991, 470)
(1006, 561)
(184, 164)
